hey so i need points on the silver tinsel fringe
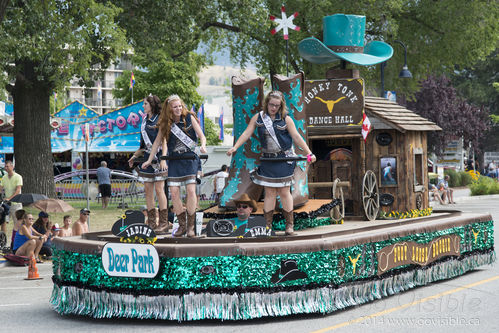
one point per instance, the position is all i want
(73, 300)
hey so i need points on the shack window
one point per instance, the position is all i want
(418, 170)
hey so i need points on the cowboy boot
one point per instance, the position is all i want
(181, 224)
(163, 222)
(289, 223)
(191, 222)
(269, 217)
(151, 219)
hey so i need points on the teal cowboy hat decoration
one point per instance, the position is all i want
(344, 40)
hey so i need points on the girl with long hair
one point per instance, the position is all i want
(155, 173)
(180, 128)
(276, 133)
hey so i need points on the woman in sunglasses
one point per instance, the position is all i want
(276, 133)
(28, 241)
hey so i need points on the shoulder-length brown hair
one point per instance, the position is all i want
(283, 111)
(166, 118)
(155, 104)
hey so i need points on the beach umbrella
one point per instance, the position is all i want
(28, 198)
(53, 206)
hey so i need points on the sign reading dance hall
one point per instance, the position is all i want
(334, 103)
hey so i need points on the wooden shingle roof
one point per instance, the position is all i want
(397, 116)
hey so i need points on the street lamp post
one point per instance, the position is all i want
(404, 73)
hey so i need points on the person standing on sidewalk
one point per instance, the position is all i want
(220, 181)
(104, 180)
(11, 184)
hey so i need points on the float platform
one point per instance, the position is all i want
(320, 270)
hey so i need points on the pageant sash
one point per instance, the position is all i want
(186, 140)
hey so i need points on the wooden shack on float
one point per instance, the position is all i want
(387, 170)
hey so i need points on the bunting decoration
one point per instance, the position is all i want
(132, 81)
(366, 127)
(221, 124)
(99, 91)
(201, 117)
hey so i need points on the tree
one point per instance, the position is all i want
(163, 78)
(438, 101)
(3, 7)
(477, 83)
(439, 34)
(211, 132)
(45, 44)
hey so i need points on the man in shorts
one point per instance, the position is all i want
(104, 180)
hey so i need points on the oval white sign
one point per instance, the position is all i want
(130, 260)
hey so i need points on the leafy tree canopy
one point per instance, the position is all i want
(439, 34)
(58, 40)
(438, 101)
(45, 44)
(478, 82)
(211, 132)
(163, 78)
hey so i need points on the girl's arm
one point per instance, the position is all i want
(164, 152)
(199, 133)
(245, 136)
(154, 149)
(297, 139)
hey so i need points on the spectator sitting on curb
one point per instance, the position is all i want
(28, 241)
(81, 226)
(66, 230)
(436, 194)
(443, 186)
(44, 227)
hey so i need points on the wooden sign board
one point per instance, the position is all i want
(334, 103)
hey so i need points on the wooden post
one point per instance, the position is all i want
(363, 156)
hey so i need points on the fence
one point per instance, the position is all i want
(72, 186)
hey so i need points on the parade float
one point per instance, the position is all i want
(343, 255)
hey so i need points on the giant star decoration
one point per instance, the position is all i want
(284, 23)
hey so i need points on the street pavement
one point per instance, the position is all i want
(468, 303)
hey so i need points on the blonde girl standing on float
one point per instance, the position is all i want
(180, 128)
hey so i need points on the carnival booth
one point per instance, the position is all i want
(332, 263)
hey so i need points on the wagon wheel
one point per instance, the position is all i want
(337, 213)
(370, 195)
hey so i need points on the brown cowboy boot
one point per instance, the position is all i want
(163, 221)
(151, 219)
(191, 222)
(269, 217)
(289, 223)
(181, 224)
